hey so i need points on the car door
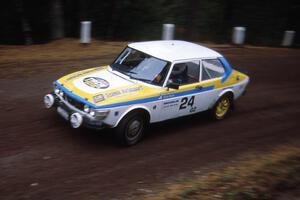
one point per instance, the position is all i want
(181, 101)
(193, 94)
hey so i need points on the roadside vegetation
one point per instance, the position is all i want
(261, 177)
(60, 50)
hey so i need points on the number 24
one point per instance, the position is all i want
(186, 102)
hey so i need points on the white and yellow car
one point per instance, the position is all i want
(148, 82)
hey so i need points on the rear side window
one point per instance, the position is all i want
(212, 68)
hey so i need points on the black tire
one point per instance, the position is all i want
(215, 114)
(131, 128)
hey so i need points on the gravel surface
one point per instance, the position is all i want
(42, 157)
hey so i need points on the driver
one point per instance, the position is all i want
(179, 74)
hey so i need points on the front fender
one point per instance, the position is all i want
(135, 107)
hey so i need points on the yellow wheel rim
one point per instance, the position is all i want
(222, 107)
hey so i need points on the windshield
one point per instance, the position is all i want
(140, 66)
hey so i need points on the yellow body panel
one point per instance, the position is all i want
(139, 91)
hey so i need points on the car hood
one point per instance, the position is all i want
(102, 86)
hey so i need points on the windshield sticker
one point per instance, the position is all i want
(96, 82)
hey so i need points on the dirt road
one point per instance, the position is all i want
(42, 157)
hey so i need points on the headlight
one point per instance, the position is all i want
(56, 91)
(61, 93)
(92, 113)
(86, 108)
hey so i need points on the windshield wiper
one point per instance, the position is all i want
(129, 72)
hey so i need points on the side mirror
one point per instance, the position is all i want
(173, 85)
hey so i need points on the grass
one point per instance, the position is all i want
(63, 56)
(59, 50)
(258, 178)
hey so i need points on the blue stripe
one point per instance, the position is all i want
(150, 99)
(74, 96)
(228, 68)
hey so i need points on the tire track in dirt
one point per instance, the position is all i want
(36, 146)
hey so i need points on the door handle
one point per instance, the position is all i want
(199, 87)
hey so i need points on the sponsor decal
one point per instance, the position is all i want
(169, 104)
(129, 90)
(112, 94)
(167, 96)
(98, 98)
(82, 73)
(96, 82)
(123, 91)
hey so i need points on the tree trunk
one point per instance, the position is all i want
(57, 19)
(26, 28)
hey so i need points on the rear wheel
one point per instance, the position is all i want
(222, 107)
(131, 128)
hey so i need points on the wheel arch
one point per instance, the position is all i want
(228, 91)
(137, 108)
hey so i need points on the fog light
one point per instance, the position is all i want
(48, 100)
(76, 120)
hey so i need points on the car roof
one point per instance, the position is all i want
(172, 50)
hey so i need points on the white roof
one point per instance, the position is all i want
(172, 50)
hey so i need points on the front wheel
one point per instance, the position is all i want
(131, 129)
(222, 107)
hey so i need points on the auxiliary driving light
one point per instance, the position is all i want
(48, 100)
(76, 120)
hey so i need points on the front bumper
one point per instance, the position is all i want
(66, 110)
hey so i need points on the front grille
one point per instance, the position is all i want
(74, 102)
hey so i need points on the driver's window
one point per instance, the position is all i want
(185, 73)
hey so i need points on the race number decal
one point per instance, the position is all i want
(185, 102)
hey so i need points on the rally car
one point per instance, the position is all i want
(148, 82)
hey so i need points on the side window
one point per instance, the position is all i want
(185, 73)
(212, 68)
